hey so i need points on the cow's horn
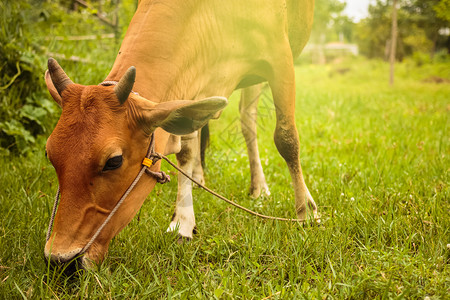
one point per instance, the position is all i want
(125, 85)
(59, 77)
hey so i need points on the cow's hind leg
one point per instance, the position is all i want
(248, 108)
(183, 220)
(197, 172)
(286, 135)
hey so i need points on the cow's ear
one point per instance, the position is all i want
(178, 117)
(51, 88)
(191, 116)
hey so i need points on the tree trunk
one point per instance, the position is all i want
(393, 41)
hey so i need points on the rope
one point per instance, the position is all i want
(52, 217)
(222, 197)
(113, 212)
(161, 177)
(118, 204)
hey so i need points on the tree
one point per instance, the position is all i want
(373, 31)
(393, 41)
(326, 12)
(328, 25)
(442, 10)
(419, 22)
(424, 14)
(344, 28)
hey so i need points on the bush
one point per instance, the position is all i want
(28, 37)
(442, 56)
(25, 110)
(421, 58)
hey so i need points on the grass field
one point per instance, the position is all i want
(376, 160)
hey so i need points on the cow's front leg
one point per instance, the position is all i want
(248, 108)
(183, 220)
(286, 135)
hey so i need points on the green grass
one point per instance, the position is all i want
(375, 157)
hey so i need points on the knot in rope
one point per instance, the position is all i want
(160, 176)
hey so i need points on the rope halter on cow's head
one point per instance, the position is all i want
(122, 90)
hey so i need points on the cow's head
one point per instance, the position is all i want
(97, 148)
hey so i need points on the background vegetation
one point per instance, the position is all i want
(423, 27)
(376, 159)
(32, 31)
(85, 37)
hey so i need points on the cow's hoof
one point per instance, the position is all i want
(183, 239)
(180, 239)
(182, 235)
(199, 178)
(259, 190)
(312, 219)
(317, 219)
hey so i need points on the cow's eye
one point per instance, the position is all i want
(113, 163)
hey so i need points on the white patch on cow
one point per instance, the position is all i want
(184, 218)
(184, 222)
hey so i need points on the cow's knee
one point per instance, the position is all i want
(287, 143)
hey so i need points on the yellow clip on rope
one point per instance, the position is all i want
(147, 162)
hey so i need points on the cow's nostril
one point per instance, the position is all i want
(62, 257)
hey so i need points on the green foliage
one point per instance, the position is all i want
(328, 21)
(24, 109)
(424, 15)
(419, 23)
(31, 32)
(345, 27)
(442, 10)
(375, 159)
(421, 58)
(417, 40)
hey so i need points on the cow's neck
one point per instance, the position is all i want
(167, 46)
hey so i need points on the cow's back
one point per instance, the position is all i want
(197, 48)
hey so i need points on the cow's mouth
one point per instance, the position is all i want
(69, 264)
(69, 268)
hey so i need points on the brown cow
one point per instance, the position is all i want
(181, 50)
